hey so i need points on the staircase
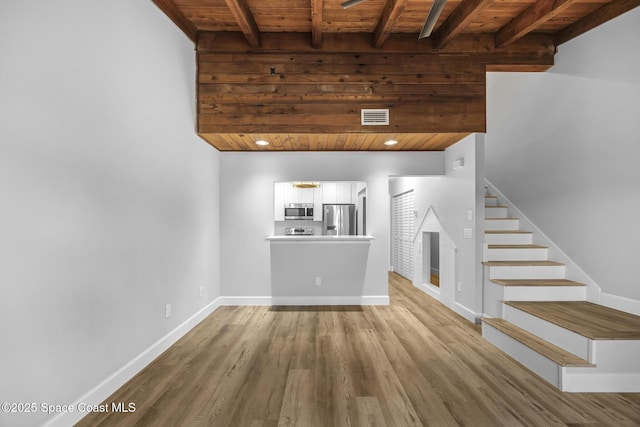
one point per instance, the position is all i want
(538, 316)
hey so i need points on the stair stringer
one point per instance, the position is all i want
(573, 271)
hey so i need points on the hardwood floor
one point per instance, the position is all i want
(412, 363)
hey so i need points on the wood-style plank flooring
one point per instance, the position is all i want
(412, 363)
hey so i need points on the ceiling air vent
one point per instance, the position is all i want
(374, 117)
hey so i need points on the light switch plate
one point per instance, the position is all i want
(469, 215)
(468, 233)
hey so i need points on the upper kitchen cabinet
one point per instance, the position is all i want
(338, 192)
(296, 192)
(285, 193)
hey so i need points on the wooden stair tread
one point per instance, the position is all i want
(490, 197)
(507, 232)
(590, 320)
(522, 246)
(522, 263)
(536, 282)
(545, 348)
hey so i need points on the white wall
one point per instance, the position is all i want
(564, 147)
(108, 199)
(247, 209)
(451, 197)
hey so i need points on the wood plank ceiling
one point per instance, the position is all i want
(297, 73)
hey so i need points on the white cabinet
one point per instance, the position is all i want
(317, 204)
(297, 195)
(337, 192)
(345, 192)
(329, 192)
(285, 193)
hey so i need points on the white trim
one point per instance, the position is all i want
(620, 303)
(307, 300)
(112, 383)
(467, 313)
(431, 290)
(434, 292)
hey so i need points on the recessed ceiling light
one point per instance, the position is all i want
(262, 142)
(391, 142)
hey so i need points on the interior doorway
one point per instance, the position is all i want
(402, 226)
(431, 258)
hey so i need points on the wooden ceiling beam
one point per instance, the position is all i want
(534, 52)
(316, 24)
(530, 19)
(171, 10)
(457, 21)
(597, 17)
(483, 44)
(245, 20)
(388, 18)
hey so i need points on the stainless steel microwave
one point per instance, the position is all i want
(298, 211)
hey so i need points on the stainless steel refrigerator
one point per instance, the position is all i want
(339, 219)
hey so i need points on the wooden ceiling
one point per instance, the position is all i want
(297, 73)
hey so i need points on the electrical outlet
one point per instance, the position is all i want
(468, 233)
(318, 281)
(459, 286)
(469, 215)
(201, 292)
(167, 311)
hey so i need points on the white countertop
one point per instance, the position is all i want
(320, 238)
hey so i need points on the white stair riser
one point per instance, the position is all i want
(617, 370)
(524, 254)
(544, 293)
(501, 224)
(508, 239)
(496, 212)
(556, 335)
(577, 381)
(490, 201)
(527, 272)
(539, 364)
(494, 294)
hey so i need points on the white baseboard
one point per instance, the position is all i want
(628, 305)
(465, 312)
(429, 289)
(308, 300)
(434, 291)
(103, 390)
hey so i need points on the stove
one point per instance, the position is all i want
(299, 231)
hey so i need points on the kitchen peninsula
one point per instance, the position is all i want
(319, 270)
